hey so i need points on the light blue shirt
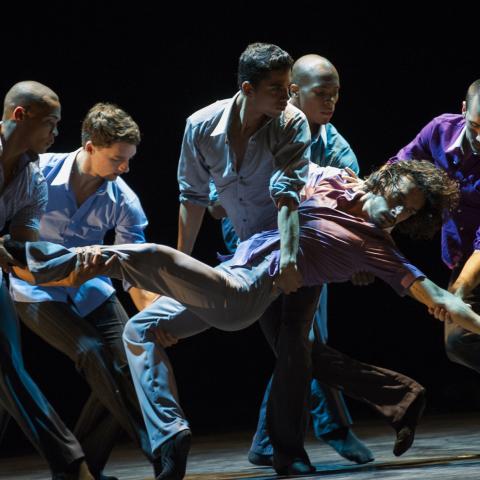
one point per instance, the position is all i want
(330, 149)
(113, 206)
(275, 165)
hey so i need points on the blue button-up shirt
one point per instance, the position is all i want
(330, 149)
(275, 165)
(23, 200)
(441, 141)
(113, 206)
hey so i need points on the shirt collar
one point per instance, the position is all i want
(457, 144)
(226, 118)
(63, 177)
(222, 126)
(321, 134)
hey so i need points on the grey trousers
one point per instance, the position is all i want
(94, 343)
(225, 297)
(22, 399)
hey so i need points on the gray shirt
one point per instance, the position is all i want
(275, 165)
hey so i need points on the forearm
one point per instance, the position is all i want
(289, 228)
(469, 277)
(190, 217)
(431, 295)
(142, 298)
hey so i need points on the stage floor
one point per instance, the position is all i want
(446, 447)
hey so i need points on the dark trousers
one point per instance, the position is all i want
(94, 343)
(286, 325)
(389, 393)
(22, 399)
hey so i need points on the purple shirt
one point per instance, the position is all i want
(334, 243)
(441, 142)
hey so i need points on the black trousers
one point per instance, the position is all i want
(94, 343)
(286, 325)
(23, 400)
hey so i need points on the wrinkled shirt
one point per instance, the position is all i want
(441, 141)
(275, 165)
(334, 244)
(330, 149)
(113, 206)
(25, 197)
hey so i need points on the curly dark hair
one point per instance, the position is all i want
(441, 193)
(258, 60)
(105, 124)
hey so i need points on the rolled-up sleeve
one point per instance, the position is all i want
(31, 211)
(131, 223)
(193, 174)
(130, 226)
(291, 160)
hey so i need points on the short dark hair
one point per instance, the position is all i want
(105, 124)
(258, 60)
(473, 91)
(441, 193)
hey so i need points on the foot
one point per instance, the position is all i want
(102, 476)
(259, 459)
(297, 467)
(348, 445)
(173, 457)
(78, 471)
(406, 427)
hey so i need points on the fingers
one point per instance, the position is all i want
(351, 172)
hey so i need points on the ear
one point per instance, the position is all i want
(19, 114)
(464, 108)
(89, 147)
(247, 88)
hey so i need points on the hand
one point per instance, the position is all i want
(352, 180)
(289, 279)
(360, 279)
(6, 260)
(164, 338)
(217, 211)
(440, 313)
(90, 264)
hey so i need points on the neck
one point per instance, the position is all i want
(249, 120)
(82, 172)
(13, 145)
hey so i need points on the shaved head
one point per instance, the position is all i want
(28, 94)
(312, 66)
(315, 89)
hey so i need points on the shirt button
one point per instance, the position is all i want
(244, 219)
(241, 199)
(461, 229)
(459, 210)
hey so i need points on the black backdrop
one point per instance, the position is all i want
(399, 67)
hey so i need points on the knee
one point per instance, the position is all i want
(462, 346)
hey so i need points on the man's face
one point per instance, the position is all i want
(270, 96)
(110, 162)
(397, 203)
(40, 125)
(472, 123)
(317, 98)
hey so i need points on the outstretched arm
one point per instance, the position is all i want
(434, 297)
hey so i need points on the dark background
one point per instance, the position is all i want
(399, 68)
